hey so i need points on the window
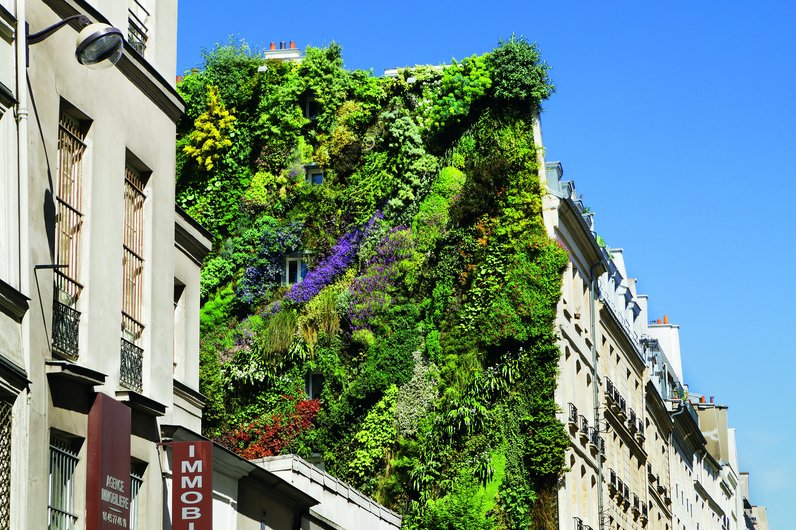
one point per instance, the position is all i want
(313, 384)
(314, 176)
(132, 278)
(137, 31)
(295, 268)
(310, 107)
(137, 470)
(69, 224)
(63, 461)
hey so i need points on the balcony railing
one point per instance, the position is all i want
(578, 523)
(66, 327)
(137, 33)
(132, 362)
(573, 414)
(584, 425)
(595, 439)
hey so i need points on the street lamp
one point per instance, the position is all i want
(98, 45)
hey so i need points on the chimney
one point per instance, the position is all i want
(292, 45)
(713, 399)
(701, 399)
(272, 46)
(282, 45)
(659, 321)
(179, 79)
(665, 319)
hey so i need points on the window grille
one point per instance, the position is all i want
(5, 465)
(136, 483)
(132, 279)
(132, 261)
(69, 222)
(63, 461)
(137, 30)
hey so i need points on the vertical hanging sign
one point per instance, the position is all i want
(108, 465)
(192, 486)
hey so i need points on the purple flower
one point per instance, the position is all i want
(332, 266)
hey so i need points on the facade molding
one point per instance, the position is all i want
(12, 302)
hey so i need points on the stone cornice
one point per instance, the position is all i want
(12, 302)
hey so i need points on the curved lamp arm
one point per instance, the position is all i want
(33, 38)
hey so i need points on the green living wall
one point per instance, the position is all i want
(417, 357)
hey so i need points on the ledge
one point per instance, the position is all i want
(191, 396)
(13, 379)
(74, 372)
(12, 302)
(141, 403)
(191, 237)
(7, 98)
(7, 25)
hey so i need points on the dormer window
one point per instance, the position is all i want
(295, 268)
(314, 175)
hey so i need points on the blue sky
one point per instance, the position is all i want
(676, 121)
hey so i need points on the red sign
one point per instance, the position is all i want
(192, 486)
(108, 473)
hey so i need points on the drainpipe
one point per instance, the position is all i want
(20, 490)
(22, 147)
(595, 386)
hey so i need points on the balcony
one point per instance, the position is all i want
(640, 430)
(66, 326)
(622, 404)
(631, 421)
(131, 368)
(612, 482)
(572, 418)
(595, 441)
(644, 514)
(636, 505)
(650, 474)
(584, 427)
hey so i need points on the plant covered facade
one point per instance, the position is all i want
(382, 291)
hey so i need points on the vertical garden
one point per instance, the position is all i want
(382, 291)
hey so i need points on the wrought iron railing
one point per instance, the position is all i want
(584, 425)
(573, 414)
(132, 363)
(578, 523)
(66, 327)
(5, 465)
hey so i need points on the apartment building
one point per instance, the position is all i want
(602, 382)
(644, 454)
(754, 517)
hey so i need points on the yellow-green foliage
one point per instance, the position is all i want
(373, 440)
(432, 218)
(211, 132)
